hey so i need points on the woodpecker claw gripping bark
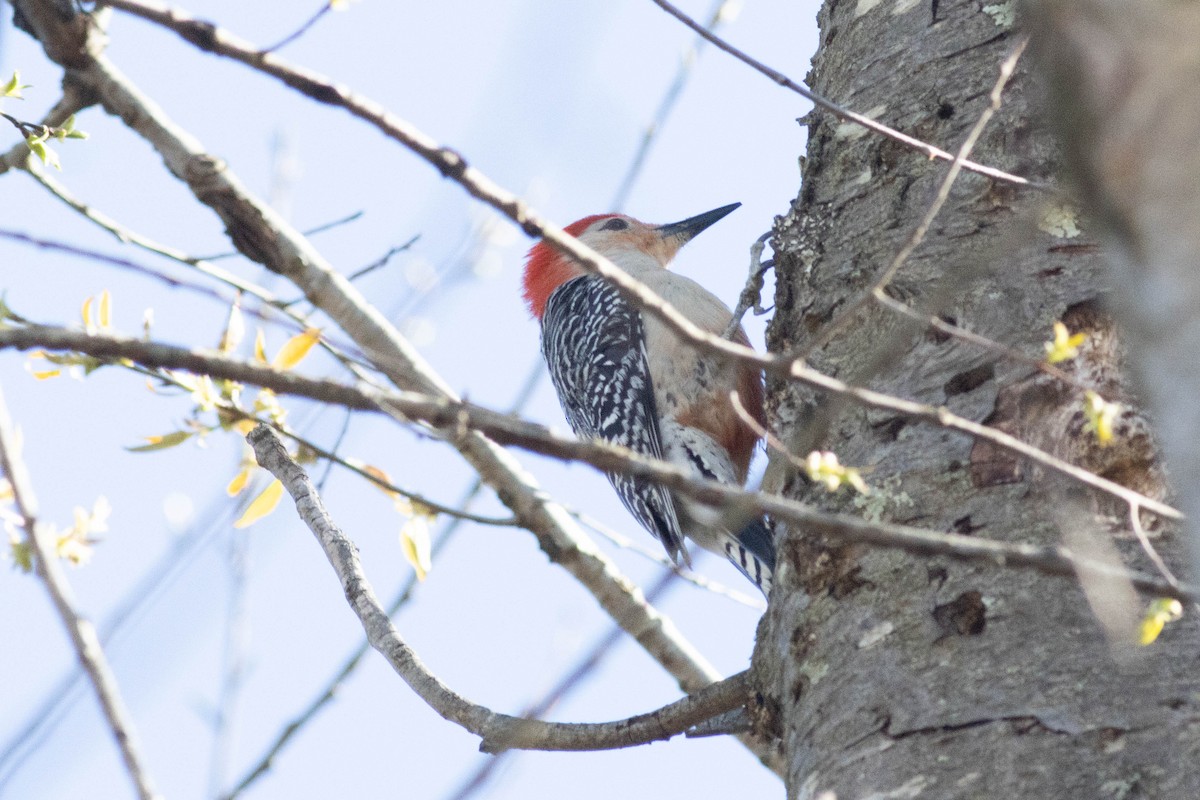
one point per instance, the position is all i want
(626, 378)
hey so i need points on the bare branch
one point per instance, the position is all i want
(498, 732)
(327, 694)
(458, 419)
(446, 411)
(83, 634)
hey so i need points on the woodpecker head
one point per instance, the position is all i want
(618, 238)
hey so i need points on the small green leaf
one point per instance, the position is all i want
(164, 442)
(13, 86)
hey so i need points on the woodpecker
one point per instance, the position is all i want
(625, 378)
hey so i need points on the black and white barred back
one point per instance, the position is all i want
(594, 345)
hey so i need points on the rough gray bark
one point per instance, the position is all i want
(886, 675)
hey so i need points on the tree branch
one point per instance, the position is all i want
(453, 165)
(497, 731)
(83, 634)
(450, 412)
(458, 419)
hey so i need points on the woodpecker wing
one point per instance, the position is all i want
(594, 344)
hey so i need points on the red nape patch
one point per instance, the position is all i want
(546, 269)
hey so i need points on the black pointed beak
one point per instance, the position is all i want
(685, 231)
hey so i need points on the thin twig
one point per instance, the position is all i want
(73, 101)
(416, 497)
(1135, 523)
(129, 236)
(751, 294)
(383, 260)
(771, 440)
(497, 731)
(961, 333)
(658, 557)
(687, 63)
(115, 261)
(83, 634)
(303, 29)
(331, 457)
(324, 226)
(835, 109)
(943, 194)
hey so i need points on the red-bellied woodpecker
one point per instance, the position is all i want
(624, 377)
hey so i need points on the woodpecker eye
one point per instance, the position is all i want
(615, 224)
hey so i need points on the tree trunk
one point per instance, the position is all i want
(887, 675)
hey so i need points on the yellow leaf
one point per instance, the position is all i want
(260, 347)
(235, 329)
(1161, 611)
(1150, 628)
(414, 540)
(380, 475)
(261, 506)
(1101, 416)
(296, 348)
(244, 426)
(163, 442)
(1065, 345)
(46, 374)
(239, 481)
(105, 310)
(86, 313)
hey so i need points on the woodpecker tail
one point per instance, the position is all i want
(752, 551)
